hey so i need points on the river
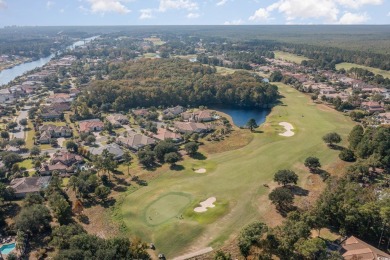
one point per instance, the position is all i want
(8, 75)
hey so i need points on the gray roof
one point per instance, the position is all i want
(30, 184)
(112, 148)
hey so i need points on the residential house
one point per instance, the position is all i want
(141, 112)
(53, 131)
(354, 248)
(164, 134)
(372, 106)
(112, 148)
(6, 95)
(191, 127)
(173, 112)
(198, 116)
(59, 98)
(63, 162)
(48, 113)
(135, 141)
(92, 125)
(384, 118)
(117, 120)
(27, 185)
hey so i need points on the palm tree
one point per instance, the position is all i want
(127, 158)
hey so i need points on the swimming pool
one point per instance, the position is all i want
(6, 249)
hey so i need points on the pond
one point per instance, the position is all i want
(241, 116)
(6, 249)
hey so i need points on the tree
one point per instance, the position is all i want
(251, 235)
(355, 136)
(23, 122)
(285, 177)
(10, 158)
(171, 158)
(34, 219)
(347, 155)
(313, 163)
(63, 234)
(90, 139)
(102, 192)
(12, 125)
(146, 158)
(276, 76)
(314, 248)
(332, 138)
(71, 146)
(61, 208)
(281, 197)
(17, 142)
(32, 199)
(35, 151)
(195, 137)
(191, 148)
(164, 148)
(127, 158)
(220, 255)
(54, 142)
(4, 135)
(251, 124)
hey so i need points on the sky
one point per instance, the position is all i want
(192, 12)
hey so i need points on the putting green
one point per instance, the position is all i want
(236, 178)
(166, 207)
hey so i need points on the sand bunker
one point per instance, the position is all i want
(288, 128)
(201, 170)
(209, 203)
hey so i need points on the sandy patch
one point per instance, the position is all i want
(288, 128)
(201, 170)
(209, 203)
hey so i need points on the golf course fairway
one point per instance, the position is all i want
(234, 177)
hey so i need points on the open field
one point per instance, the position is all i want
(156, 41)
(281, 55)
(235, 178)
(225, 71)
(347, 66)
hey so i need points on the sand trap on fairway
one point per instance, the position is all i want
(288, 128)
(201, 170)
(209, 203)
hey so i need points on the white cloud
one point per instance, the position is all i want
(146, 14)
(234, 22)
(49, 4)
(260, 15)
(3, 4)
(104, 6)
(358, 3)
(177, 4)
(352, 18)
(222, 2)
(293, 9)
(193, 15)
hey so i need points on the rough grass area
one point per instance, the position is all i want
(236, 177)
(347, 66)
(282, 55)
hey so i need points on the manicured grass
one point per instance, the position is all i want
(45, 147)
(30, 136)
(166, 207)
(282, 55)
(150, 55)
(347, 66)
(28, 164)
(65, 181)
(236, 177)
(225, 71)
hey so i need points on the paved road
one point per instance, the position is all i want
(20, 134)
